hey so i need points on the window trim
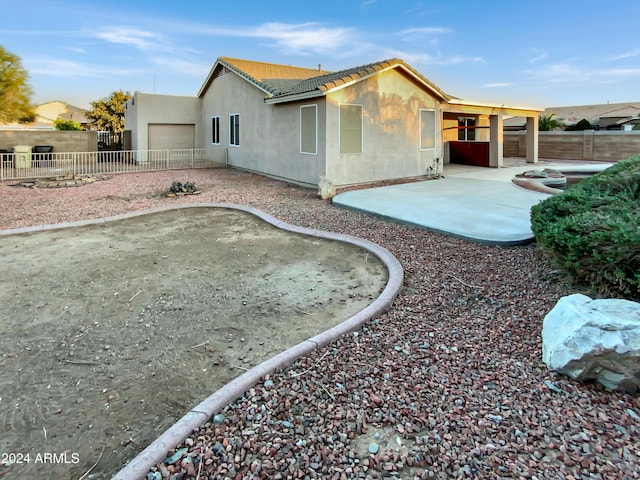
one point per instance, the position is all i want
(435, 128)
(315, 147)
(466, 129)
(215, 134)
(340, 105)
(232, 130)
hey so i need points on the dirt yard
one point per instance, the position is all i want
(112, 332)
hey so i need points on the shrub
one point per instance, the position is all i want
(584, 124)
(592, 230)
(186, 187)
(60, 124)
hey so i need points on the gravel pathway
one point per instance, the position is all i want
(448, 383)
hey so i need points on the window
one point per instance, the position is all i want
(350, 128)
(309, 129)
(467, 128)
(234, 129)
(215, 130)
(427, 129)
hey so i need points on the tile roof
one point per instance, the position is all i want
(333, 80)
(274, 78)
(284, 82)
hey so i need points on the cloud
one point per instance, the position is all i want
(419, 34)
(76, 49)
(539, 55)
(566, 73)
(132, 37)
(497, 85)
(300, 38)
(142, 40)
(631, 54)
(429, 59)
(68, 69)
(426, 31)
(303, 37)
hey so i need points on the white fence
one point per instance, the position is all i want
(27, 165)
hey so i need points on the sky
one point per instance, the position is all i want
(535, 53)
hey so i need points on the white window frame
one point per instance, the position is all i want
(466, 128)
(215, 121)
(234, 136)
(315, 146)
(361, 128)
(435, 128)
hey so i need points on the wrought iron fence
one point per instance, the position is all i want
(27, 165)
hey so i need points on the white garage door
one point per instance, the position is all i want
(171, 137)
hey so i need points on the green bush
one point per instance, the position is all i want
(592, 231)
(60, 124)
(584, 124)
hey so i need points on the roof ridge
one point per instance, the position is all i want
(231, 59)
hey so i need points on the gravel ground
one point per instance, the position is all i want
(448, 383)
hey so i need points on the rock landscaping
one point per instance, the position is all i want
(448, 383)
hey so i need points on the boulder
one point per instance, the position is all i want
(326, 188)
(594, 340)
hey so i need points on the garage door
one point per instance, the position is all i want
(171, 136)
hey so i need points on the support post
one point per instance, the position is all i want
(532, 139)
(496, 141)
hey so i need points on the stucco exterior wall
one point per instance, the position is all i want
(391, 131)
(269, 134)
(143, 109)
(61, 141)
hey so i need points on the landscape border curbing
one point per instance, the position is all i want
(157, 450)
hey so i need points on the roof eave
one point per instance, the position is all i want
(431, 88)
(458, 101)
(209, 80)
(294, 98)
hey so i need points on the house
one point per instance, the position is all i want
(48, 113)
(369, 123)
(605, 116)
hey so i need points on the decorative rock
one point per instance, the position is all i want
(594, 340)
(373, 448)
(154, 476)
(326, 188)
(268, 383)
(218, 418)
(176, 456)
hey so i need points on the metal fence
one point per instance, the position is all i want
(54, 164)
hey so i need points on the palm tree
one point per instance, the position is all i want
(546, 123)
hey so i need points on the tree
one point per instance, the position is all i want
(15, 92)
(108, 113)
(584, 124)
(66, 124)
(546, 123)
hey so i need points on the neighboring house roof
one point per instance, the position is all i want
(601, 115)
(282, 83)
(593, 113)
(47, 113)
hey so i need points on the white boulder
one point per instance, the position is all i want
(597, 340)
(326, 188)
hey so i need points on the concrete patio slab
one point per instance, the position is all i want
(494, 211)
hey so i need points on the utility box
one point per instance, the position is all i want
(22, 156)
